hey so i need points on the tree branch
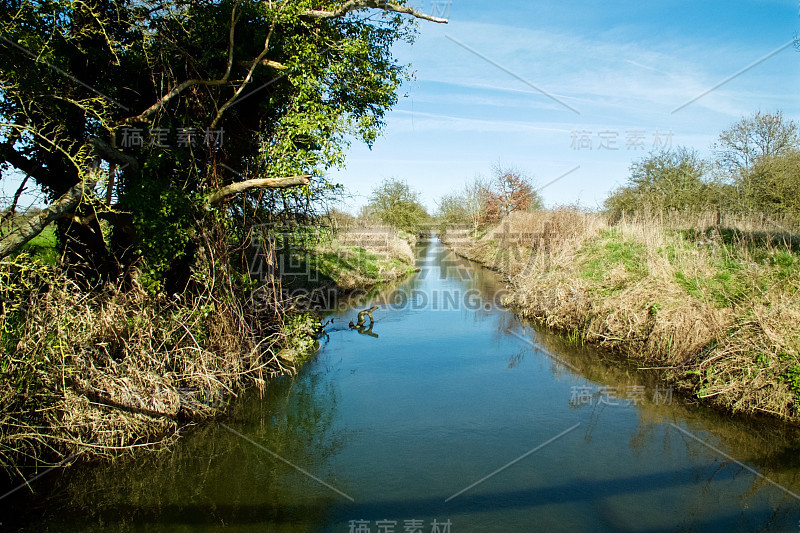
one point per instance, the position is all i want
(12, 210)
(259, 183)
(355, 5)
(142, 117)
(264, 63)
(34, 225)
(250, 71)
(112, 155)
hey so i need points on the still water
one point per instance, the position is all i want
(449, 415)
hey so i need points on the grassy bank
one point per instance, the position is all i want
(349, 259)
(716, 311)
(111, 369)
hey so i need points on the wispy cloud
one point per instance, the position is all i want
(423, 121)
(582, 69)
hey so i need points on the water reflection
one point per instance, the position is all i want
(442, 389)
(212, 478)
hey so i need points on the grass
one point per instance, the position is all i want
(354, 260)
(42, 246)
(103, 371)
(611, 253)
(99, 372)
(717, 309)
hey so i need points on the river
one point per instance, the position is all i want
(449, 415)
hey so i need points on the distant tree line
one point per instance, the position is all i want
(754, 170)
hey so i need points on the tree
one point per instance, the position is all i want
(475, 198)
(509, 191)
(775, 185)
(452, 209)
(395, 203)
(759, 136)
(269, 91)
(663, 181)
(745, 151)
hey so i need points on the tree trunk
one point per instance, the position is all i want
(34, 225)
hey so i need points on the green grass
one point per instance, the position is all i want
(744, 268)
(43, 246)
(609, 251)
(729, 285)
(333, 265)
(792, 376)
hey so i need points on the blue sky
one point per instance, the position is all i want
(616, 71)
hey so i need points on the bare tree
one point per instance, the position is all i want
(753, 138)
(509, 191)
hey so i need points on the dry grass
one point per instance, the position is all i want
(718, 311)
(105, 371)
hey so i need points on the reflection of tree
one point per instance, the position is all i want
(214, 477)
(770, 448)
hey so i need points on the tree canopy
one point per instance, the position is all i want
(138, 116)
(395, 203)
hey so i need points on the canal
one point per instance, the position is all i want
(451, 415)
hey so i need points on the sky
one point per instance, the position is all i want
(575, 91)
(572, 92)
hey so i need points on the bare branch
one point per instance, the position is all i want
(234, 19)
(142, 117)
(355, 5)
(112, 155)
(12, 210)
(264, 63)
(258, 183)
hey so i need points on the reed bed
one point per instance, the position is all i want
(715, 310)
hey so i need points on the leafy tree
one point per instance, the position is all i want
(452, 209)
(395, 203)
(663, 181)
(281, 86)
(775, 184)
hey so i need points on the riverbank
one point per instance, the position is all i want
(359, 258)
(715, 312)
(103, 371)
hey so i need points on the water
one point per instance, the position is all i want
(451, 411)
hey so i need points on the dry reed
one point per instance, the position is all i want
(718, 318)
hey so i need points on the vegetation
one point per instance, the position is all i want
(716, 311)
(693, 270)
(510, 191)
(481, 202)
(347, 258)
(755, 172)
(169, 137)
(663, 182)
(396, 204)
